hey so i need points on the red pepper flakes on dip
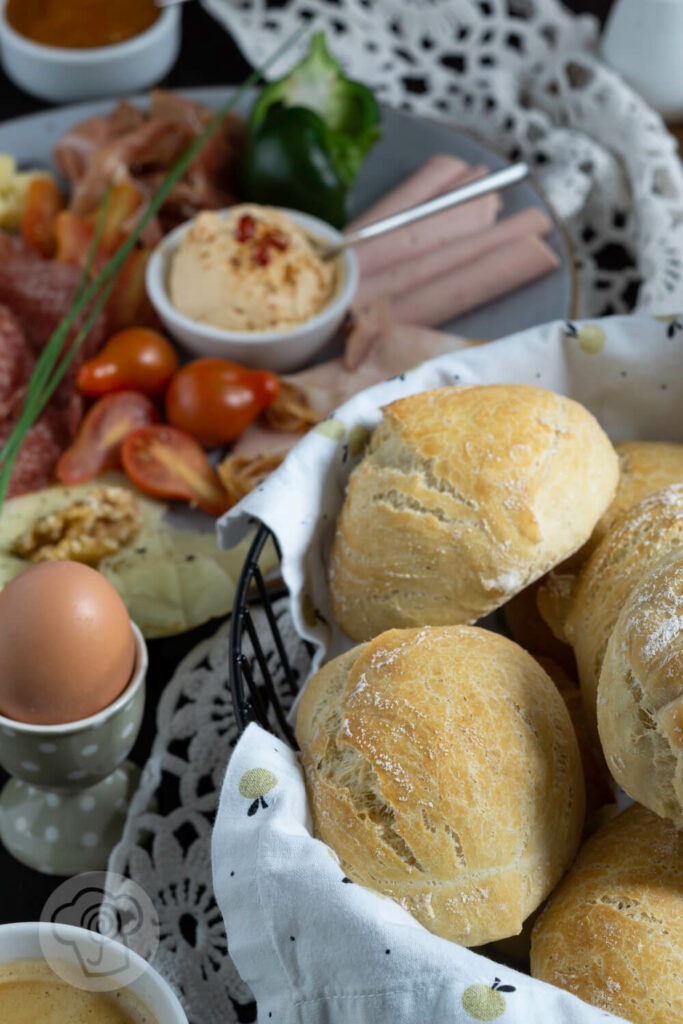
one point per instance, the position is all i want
(254, 269)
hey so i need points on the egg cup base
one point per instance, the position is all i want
(66, 833)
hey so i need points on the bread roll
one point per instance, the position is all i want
(530, 630)
(645, 467)
(600, 790)
(442, 767)
(640, 694)
(587, 612)
(612, 933)
(465, 496)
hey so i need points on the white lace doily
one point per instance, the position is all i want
(166, 843)
(525, 78)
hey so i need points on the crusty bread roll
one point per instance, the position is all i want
(600, 790)
(465, 496)
(640, 694)
(530, 630)
(645, 467)
(587, 610)
(612, 933)
(442, 767)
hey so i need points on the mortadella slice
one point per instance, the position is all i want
(404, 276)
(439, 174)
(494, 274)
(413, 241)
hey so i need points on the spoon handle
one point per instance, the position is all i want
(481, 187)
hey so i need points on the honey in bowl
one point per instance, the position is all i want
(30, 992)
(80, 24)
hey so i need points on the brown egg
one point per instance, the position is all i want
(66, 646)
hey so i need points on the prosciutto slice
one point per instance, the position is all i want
(140, 147)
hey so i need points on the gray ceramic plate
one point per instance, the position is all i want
(406, 143)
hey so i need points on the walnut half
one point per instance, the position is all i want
(85, 531)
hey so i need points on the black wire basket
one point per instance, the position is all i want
(264, 680)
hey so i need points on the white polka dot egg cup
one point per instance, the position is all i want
(65, 806)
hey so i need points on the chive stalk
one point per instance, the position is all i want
(40, 390)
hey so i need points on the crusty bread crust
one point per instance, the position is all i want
(465, 496)
(640, 693)
(638, 539)
(612, 933)
(644, 468)
(442, 767)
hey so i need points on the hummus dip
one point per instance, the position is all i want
(253, 269)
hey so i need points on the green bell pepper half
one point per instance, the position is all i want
(288, 162)
(309, 133)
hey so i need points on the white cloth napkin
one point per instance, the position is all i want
(311, 947)
(317, 949)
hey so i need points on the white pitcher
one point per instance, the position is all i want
(643, 41)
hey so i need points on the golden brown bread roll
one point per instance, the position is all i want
(640, 694)
(442, 767)
(645, 467)
(464, 497)
(530, 630)
(600, 790)
(612, 933)
(588, 609)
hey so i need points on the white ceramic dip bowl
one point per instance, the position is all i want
(277, 350)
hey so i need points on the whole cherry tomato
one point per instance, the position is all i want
(168, 463)
(137, 359)
(216, 400)
(98, 444)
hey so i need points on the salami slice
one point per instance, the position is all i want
(40, 293)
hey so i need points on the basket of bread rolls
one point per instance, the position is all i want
(475, 811)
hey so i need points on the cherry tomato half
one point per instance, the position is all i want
(136, 359)
(98, 444)
(168, 463)
(216, 400)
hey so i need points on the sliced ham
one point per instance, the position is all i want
(494, 274)
(439, 174)
(393, 348)
(413, 241)
(258, 440)
(408, 274)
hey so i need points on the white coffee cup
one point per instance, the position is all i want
(76, 947)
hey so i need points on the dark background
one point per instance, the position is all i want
(208, 57)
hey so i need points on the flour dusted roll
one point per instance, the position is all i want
(442, 767)
(587, 612)
(640, 693)
(465, 496)
(612, 933)
(645, 467)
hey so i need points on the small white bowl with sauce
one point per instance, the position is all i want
(279, 350)
(61, 74)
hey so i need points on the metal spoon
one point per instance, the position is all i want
(481, 187)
